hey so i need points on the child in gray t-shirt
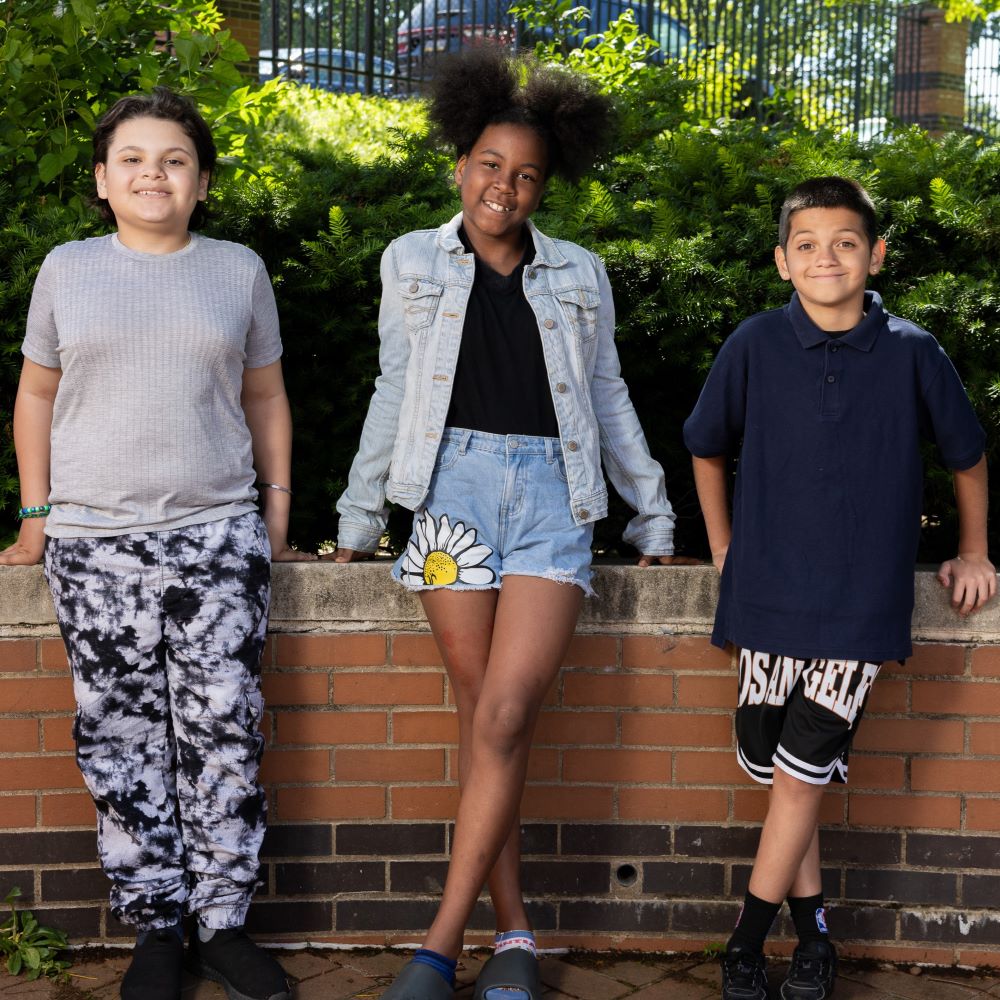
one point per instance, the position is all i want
(151, 400)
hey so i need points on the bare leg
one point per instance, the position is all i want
(534, 621)
(462, 622)
(789, 843)
(808, 881)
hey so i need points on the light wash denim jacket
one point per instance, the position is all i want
(426, 280)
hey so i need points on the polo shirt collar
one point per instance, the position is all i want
(547, 252)
(862, 337)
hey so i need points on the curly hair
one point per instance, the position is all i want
(485, 86)
(163, 103)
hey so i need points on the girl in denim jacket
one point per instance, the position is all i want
(499, 396)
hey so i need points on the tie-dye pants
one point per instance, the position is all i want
(164, 632)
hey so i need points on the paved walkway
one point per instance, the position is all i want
(363, 975)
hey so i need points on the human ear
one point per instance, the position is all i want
(203, 178)
(878, 257)
(460, 169)
(781, 264)
(100, 170)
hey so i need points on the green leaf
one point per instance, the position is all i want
(49, 167)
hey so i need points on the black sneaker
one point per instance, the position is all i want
(157, 966)
(744, 975)
(245, 971)
(812, 972)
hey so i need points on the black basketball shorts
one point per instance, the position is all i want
(799, 715)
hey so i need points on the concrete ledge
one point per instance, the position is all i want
(326, 597)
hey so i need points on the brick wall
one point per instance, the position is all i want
(639, 827)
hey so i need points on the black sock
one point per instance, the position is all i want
(753, 924)
(809, 917)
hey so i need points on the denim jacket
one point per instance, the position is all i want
(426, 280)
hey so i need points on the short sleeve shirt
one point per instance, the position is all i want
(148, 432)
(828, 500)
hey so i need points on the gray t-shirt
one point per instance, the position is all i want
(147, 430)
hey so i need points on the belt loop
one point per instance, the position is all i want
(550, 454)
(464, 445)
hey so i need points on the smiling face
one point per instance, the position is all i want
(828, 260)
(501, 181)
(153, 182)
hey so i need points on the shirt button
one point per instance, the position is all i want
(414, 287)
(583, 512)
(561, 387)
(831, 378)
(835, 348)
(572, 445)
(549, 324)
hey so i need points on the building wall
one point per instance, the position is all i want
(638, 826)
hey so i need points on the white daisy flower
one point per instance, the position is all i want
(440, 553)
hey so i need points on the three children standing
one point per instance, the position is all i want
(151, 400)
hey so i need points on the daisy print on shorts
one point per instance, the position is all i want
(439, 554)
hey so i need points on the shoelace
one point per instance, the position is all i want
(805, 965)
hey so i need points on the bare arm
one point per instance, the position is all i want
(270, 421)
(971, 575)
(36, 393)
(710, 481)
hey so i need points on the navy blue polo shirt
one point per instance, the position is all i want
(826, 513)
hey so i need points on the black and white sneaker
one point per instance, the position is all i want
(245, 970)
(157, 967)
(812, 972)
(744, 975)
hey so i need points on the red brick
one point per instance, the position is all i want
(296, 688)
(389, 765)
(912, 735)
(675, 652)
(566, 802)
(629, 766)
(671, 729)
(415, 651)
(592, 651)
(388, 688)
(709, 768)
(17, 811)
(18, 735)
(18, 655)
(686, 804)
(986, 661)
(882, 773)
(706, 692)
(982, 814)
(30, 773)
(54, 655)
(929, 775)
(58, 733)
(615, 690)
(353, 802)
(986, 738)
(930, 659)
(330, 727)
(543, 764)
(70, 809)
(957, 697)
(37, 694)
(927, 812)
(888, 697)
(437, 727)
(295, 766)
(364, 650)
(902, 954)
(750, 806)
(576, 728)
(979, 959)
(427, 802)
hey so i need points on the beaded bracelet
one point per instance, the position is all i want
(275, 486)
(28, 512)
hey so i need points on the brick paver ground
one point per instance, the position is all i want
(363, 975)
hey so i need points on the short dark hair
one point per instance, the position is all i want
(829, 192)
(165, 104)
(483, 85)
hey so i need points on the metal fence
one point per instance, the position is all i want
(841, 66)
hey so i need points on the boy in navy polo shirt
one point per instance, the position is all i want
(830, 397)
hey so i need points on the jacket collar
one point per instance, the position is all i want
(547, 252)
(862, 337)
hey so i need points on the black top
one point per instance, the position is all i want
(501, 382)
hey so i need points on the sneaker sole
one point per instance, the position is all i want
(207, 972)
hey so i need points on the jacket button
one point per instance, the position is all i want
(414, 287)
(561, 387)
(549, 324)
(583, 512)
(572, 445)
(532, 273)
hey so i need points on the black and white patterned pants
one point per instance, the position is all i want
(164, 632)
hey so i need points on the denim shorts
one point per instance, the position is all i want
(497, 505)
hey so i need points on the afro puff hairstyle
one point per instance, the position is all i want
(485, 86)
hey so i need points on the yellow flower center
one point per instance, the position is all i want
(440, 569)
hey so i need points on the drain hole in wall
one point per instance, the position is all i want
(626, 874)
